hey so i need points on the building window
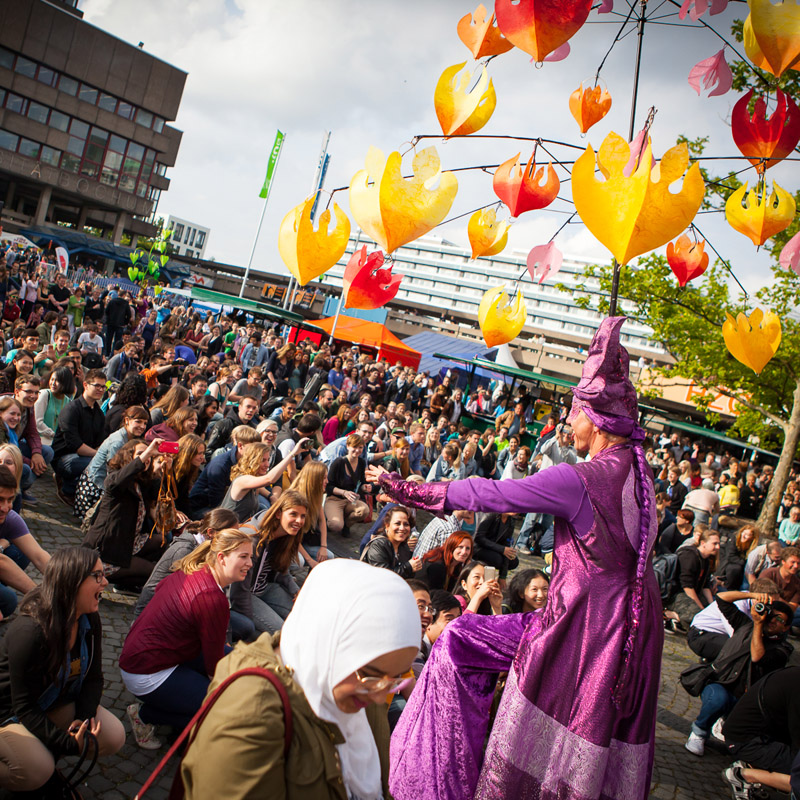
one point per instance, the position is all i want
(37, 112)
(201, 239)
(125, 110)
(75, 145)
(191, 241)
(6, 58)
(79, 128)
(97, 145)
(107, 102)
(88, 94)
(89, 169)
(46, 76)
(158, 124)
(177, 232)
(70, 163)
(25, 66)
(59, 121)
(8, 140)
(144, 118)
(68, 85)
(50, 155)
(15, 103)
(28, 148)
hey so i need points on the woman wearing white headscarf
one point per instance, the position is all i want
(353, 632)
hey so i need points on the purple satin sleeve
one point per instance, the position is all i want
(429, 496)
(454, 692)
(557, 490)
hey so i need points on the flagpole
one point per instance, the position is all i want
(263, 211)
(342, 295)
(319, 179)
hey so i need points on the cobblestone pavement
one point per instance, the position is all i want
(677, 773)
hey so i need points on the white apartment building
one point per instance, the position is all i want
(442, 275)
(188, 238)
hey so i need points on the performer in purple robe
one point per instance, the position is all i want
(577, 717)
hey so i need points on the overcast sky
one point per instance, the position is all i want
(366, 71)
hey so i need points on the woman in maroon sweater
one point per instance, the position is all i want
(173, 647)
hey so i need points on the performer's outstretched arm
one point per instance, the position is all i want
(557, 491)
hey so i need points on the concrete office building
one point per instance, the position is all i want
(188, 238)
(84, 139)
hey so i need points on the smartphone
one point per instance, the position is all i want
(168, 447)
(490, 573)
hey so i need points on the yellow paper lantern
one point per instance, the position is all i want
(308, 253)
(487, 236)
(394, 210)
(634, 214)
(760, 218)
(776, 28)
(501, 319)
(753, 340)
(459, 111)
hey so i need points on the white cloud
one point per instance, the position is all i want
(367, 72)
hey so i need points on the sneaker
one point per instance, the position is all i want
(144, 734)
(716, 731)
(740, 788)
(29, 499)
(62, 496)
(695, 744)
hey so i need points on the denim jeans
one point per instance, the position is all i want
(47, 451)
(8, 601)
(176, 701)
(271, 608)
(242, 628)
(28, 477)
(717, 702)
(69, 468)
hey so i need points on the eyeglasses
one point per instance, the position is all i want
(97, 385)
(98, 575)
(370, 684)
(270, 433)
(423, 609)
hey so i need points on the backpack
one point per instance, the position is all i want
(668, 571)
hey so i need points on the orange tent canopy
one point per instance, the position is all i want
(372, 334)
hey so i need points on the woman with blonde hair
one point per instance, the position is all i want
(186, 467)
(267, 595)
(183, 421)
(311, 482)
(174, 645)
(251, 475)
(175, 398)
(221, 387)
(397, 458)
(733, 557)
(448, 466)
(279, 370)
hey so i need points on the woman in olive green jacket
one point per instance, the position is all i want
(353, 631)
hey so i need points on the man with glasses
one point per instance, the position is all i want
(38, 455)
(78, 435)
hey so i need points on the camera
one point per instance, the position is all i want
(764, 609)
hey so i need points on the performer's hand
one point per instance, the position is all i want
(374, 472)
(510, 553)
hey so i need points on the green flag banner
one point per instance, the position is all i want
(273, 162)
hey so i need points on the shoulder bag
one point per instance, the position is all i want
(176, 791)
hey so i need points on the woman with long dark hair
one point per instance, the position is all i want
(60, 390)
(527, 591)
(207, 409)
(176, 397)
(51, 673)
(269, 591)
(21, 364)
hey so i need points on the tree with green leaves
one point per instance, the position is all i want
(688, 321)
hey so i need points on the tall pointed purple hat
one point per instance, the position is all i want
(605, 392)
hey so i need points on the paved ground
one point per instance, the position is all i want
(677, 774)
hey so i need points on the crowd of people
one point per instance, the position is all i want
(209, 463)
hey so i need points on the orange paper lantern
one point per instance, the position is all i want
(523, 190)
(756, 217)
(459, 111)
(367, 284)
(501, 319)
(487, 236)
(481, 36)
(753, 340)
(589, 106)
(687, 259)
